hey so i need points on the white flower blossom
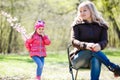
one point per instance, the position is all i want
(14, 19)
(9, 20)
(8, 15)
(14, 24)
(11, 24)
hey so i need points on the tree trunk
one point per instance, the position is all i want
(11, 31)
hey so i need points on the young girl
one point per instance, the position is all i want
(36, 47)
(89, 36)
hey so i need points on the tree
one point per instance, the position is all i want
(110, 9)
(9, 37)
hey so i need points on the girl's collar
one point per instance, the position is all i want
(37, 34)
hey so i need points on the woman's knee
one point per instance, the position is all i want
(95, 62)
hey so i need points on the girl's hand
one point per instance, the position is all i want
(96, 47)
(43, 34)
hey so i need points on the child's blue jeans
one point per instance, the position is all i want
(40, 63)
(95, 61)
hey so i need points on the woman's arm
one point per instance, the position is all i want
(103, 39)
(75, 38)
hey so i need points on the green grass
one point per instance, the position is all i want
(21, 67)
(15, 65)
(112, 52)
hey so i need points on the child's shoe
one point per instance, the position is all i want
(38, 78)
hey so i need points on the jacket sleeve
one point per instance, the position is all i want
(103, 39)
(75, 38)
(28, 44)
(46, 40)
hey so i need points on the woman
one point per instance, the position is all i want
(89, 36)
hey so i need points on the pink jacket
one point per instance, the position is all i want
(36, 45)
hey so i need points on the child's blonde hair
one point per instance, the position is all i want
(95, 14)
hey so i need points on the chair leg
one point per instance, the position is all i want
(76, 75)
(71, 71)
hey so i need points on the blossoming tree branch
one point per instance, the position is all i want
(13, 21)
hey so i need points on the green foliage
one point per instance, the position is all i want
(110, 10)
(58, 16)
(62, 6)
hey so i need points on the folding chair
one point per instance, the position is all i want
(74, 77)
(70, 64)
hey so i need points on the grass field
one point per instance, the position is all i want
(21, 67)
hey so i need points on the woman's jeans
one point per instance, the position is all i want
(95, 59)
(40, 63)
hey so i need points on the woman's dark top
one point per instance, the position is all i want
(90, 32)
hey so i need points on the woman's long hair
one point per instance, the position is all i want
(95, 14)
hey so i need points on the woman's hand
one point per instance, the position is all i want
(96, 47)
(89, 46)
